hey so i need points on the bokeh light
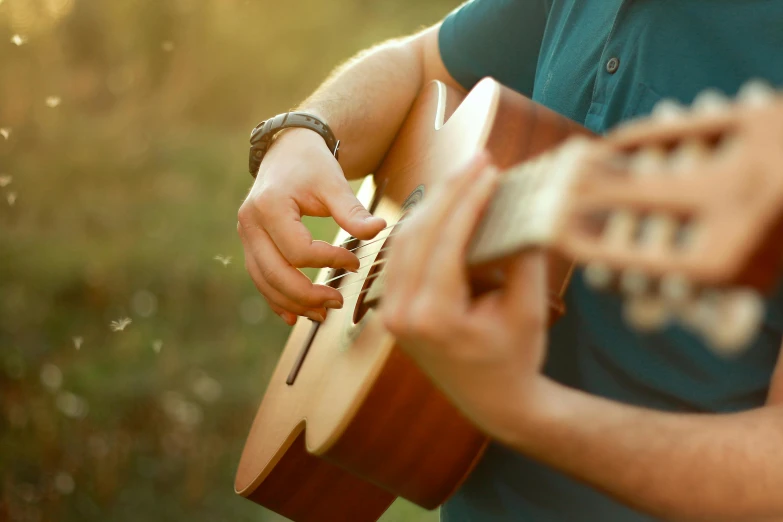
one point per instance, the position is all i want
(134, 348)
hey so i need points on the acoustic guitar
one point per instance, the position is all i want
(681, 212)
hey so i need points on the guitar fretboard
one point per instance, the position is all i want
(525, 209)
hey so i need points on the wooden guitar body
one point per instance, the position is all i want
(360, 424)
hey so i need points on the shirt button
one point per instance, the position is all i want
(612, 65)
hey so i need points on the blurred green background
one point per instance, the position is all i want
(123, 157)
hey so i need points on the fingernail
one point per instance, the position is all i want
(314, 316)
(287, 318)
(331, 303)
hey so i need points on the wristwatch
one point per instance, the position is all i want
(263, 134)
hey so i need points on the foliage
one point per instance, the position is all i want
(122, 164)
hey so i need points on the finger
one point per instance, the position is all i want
(525, 292)
(447, 260)
(426, 228)
(284, 225)
(410, 254)
(288, 317)
(349, 212)
(281, 276)
(283, 306)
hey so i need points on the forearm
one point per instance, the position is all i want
(686, 467)
(366, 100)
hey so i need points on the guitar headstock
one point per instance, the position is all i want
(682, 212)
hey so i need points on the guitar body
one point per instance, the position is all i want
(360, 424)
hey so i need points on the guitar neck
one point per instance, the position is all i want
(525, 209)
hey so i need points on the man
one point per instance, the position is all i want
(617, 426)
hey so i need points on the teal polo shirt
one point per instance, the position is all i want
(600, 62)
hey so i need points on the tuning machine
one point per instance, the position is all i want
(727, 319)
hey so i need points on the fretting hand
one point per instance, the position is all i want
(477, 350)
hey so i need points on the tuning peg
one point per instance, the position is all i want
(687, 153)
(648, 160)
(634, 282)
(668, 109)
(691, 313)
(598, 276)
(756, 93)
(620, 228)
(659, 231)
(730, 320)
(676, 289)
(646, 313)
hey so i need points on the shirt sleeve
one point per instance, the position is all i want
(498, 38)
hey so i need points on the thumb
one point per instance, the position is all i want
(350, 214)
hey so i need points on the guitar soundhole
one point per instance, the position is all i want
(372, 289)
(370, 294)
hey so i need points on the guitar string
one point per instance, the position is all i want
(363, 291)
(374, 240)
(370, 242)
(368, 278)
(374, 253)
(351, 239)
(360, 267)
(357, 271)
(376, 263)
(529, 166)
(359, 247)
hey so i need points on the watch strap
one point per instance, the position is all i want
(263, 134)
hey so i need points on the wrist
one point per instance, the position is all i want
(294, 143)
(267, 132)
(538, 405)
(298, 137)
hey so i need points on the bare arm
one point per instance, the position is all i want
(366, 99)
(364, 102)
(686, 467)
(485, 352)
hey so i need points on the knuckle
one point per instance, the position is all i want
(259, 284)
(425, 327)
(300, 295)
(403, 239)
(396, 322)
(264, 203)
(244, 217)
(298, 257)
(356, 210)
(270, 275)
(311, 297)
(426, 322)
